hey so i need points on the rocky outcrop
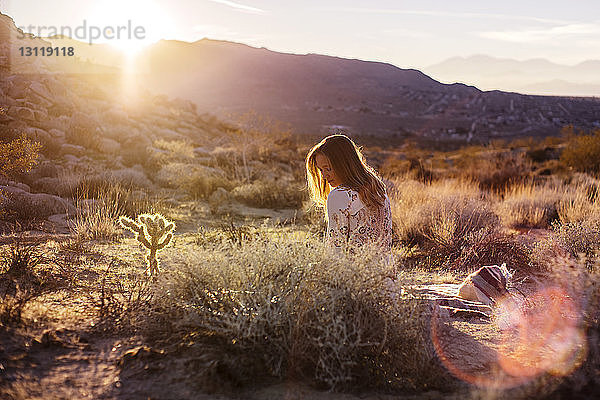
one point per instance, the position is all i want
(34, 205)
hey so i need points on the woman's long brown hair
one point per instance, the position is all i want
(349, 164)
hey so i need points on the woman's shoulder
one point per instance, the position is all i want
(339, 194)
(343, 197)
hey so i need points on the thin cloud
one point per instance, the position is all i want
(240, 7)
(453, 14)
(544, 35)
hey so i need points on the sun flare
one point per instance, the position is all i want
(130, 25)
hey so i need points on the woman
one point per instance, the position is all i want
(357, 208)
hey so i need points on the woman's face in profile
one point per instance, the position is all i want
(326, 170)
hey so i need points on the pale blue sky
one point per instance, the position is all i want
(409, 34)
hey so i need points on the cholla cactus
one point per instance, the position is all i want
(154, 232)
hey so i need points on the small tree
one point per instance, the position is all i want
(253, 134)
(18, 155)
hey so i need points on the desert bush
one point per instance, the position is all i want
(21, 257)
(19, 282)
(440, 216)
(581, 282)
(494, 170)
(531, 205)
(120, 199)
(125, 296)
(83, 133)
(201, 185)
(269, 194)
(490, 246)
(97, 220)
(584, 204)
(197, 180)
(299, 310)
(582, 151)
(165, 152)
(100, 204)
(18, 155)
(579, 238)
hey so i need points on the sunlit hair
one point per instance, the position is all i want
(349, 164)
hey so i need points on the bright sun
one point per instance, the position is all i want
(130, 25)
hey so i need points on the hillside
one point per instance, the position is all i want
(314, 92)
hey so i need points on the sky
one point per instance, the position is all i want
(408, 34)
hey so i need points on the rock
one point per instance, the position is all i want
(62, 223)
(38, 135)
(41, 90)
(49, 185)
(57, 133)
(109, 146)
(19, 185)
(71, 159)
(40, 115)
(218, 198)
(72, 149)
(45, 169)
(22, 113)
(35, 205)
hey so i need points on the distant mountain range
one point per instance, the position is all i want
(535, 76)
(317, 93)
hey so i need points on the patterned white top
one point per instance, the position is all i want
(351, 222)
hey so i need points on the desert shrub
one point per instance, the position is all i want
(582, 285)
(440, 216)
(273, 194)
(298, 310)
(21, 257)
(533, 206)
(584, 205)
(165, 152)
(18, 155)
(489, 246)
(83, 134)
(579, 238)
(19, 281)
(97, 220)
(125, 295)
(582, 151)
(197, 180)
(493, 169)
(121, 199)
(100, 204)
(201, 185)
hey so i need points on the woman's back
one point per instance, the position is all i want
(350, 221)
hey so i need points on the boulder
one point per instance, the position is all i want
(38, 135)
(49, 185)
(218, 198)
(40, 115)
(62, 223)
(41, 90)
(73, 150)
(57, 134)
(22, 113)
(35, 205)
